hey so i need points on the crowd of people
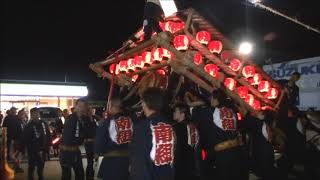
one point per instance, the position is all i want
(193, 138)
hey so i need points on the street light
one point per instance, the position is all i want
(245, 48)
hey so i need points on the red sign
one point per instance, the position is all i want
(163, 140)
(193, 136)
(124, 130)
(227, 119)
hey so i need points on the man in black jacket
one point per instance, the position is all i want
(186, 143)
(153, 143)
(36, 135)
(112, 142)
(72, 138)
(224, 139)
(11, 122)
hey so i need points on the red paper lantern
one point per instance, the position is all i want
(197, 58)
(138, 62)
(272, 93)
(131, 65)
(158, 55)
(235, 64)
(248, 71)
(226, 56)
(242, 92)
(181, 42)
(111, 68)
(215, 46)
(134, 78)
(147, 57)
(166, 54)
(256, 79)
(176, 26)
(161, 72)
(173, 27)
(203, 37)
(249, 99)
(123, 66)
(230, 83)
(256, 105)
(264, 86)
(212, 69)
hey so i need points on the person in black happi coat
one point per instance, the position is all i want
(36, 136)
(152, 150)
(113, 137)
(72, 137)
(186, 143)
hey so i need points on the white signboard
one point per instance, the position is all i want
(309, 83)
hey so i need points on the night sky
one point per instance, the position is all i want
(51, 40)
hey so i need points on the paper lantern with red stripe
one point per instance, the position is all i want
(235, 65)
(264, 86)
(230, 83)
(215, 46)
(248, 71)
(181, 42)
(212, 69)
(226, 56)
(111, 69)
(256, 79)
(131, 65)
(256, 105)
(138, 62)
(197, 58)
(147, 58)
(272, 93)
(167, 54)
(158, 55)
(242, 92)
(203, 37)
(176, 26)
(123, 66)
(173, 27)
(249, 99)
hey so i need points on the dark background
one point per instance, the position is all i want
(56, 40)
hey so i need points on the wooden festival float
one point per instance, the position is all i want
(191, 47)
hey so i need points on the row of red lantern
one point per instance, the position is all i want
(264, 86)
(182, 42)
(138, 62)
(135, 77)
(243, 93)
